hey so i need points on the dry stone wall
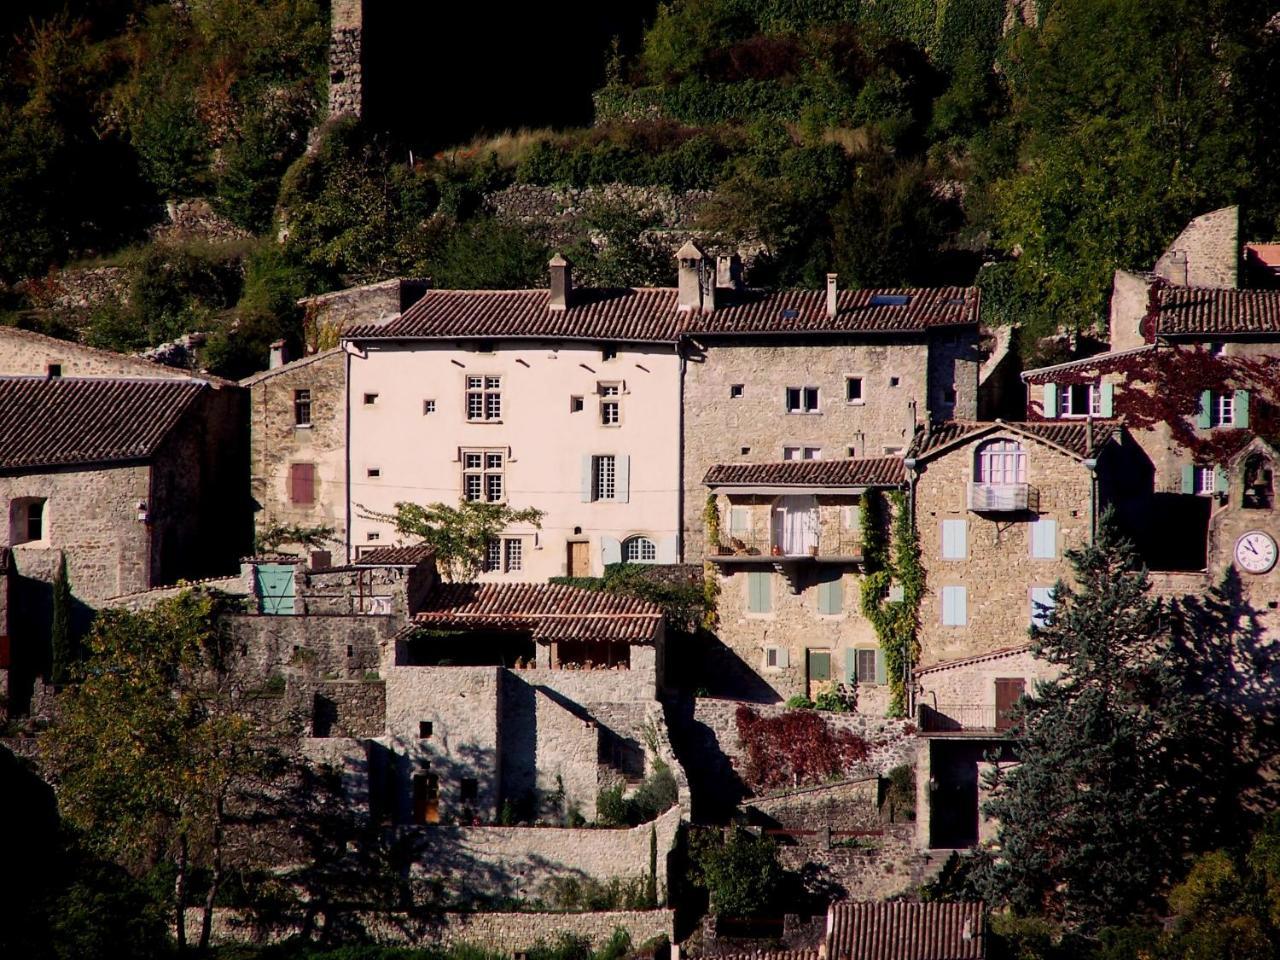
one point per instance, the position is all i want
(346, 58)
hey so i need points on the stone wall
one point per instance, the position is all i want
(1206, 253)
(998, 571)
(328, 315)
(966, 693)
(868, 868)
(346, 59)
(78, 290)
(277, 441)
(347, 648)
(567, 757)
(24, 353)
(195, 219)
(844, 805)
(340, 708)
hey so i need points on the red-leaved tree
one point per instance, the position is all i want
(795, 748)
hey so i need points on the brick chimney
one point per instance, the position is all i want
(279, 355)
(696, 289)
(832, 305)
(561, 282)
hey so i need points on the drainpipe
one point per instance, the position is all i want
(1091, 464)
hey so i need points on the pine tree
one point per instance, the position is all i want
(62, 642)
(1102, 808)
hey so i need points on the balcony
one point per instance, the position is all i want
(1003, 497)
(958, 719)
(748, 548)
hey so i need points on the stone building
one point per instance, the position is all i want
(297, 449)
(789, 560)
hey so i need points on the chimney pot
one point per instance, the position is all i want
(561, 282)
(696, 289)
(832, 291)
(278, 355)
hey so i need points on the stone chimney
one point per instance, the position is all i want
(1175, 268)
(833, 306)
(561, 282)
(696, 290)
(279, 355)
(729, 272)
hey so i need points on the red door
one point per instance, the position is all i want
(1008, 691)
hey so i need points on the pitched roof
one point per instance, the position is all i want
(394, 556)
(874, 472)
(1071, 437)
(1191, 311)
(290, 366)
(1099, 363)
(898, 930)
(649, 314)
(771, 955)
(976, 658)
(551, 611)
(69, 420)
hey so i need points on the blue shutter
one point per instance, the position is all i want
(622, 488)
(1240, 414)
(955, 611)
(1106, 399)
(738, 518)
(1220, 479)
(954, 539)
(610, 551)
(784, 656)
(1206, 402)
(1044, 539)
(881, 673)
(1188, 478)
(587, 477)
(850, 665)
(1042, 604)
(1050, 406)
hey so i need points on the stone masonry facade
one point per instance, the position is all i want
(346, 58)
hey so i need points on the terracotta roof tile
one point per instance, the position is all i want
(1098, 364)
(394, 556)
(900, 930)
(976, 658)
(769, 955)
(1189, 311)
(1072, 436)
(650, 315)
(67, 420)
(551, 611)
(879, 471)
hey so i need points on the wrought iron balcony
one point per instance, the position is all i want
(961, 717)
(738, 548)
(1003, 497)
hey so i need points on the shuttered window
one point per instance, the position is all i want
(831, 594)
(955, 607)
(759, 592)
(1044, 539)
(955, 544)
(302, 483)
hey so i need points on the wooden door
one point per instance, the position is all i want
(426, 798)
(579, 558)
(1008, 690)
(275, 588)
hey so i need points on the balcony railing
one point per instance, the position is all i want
(1003, 497)
(740, 546)
(960, 717)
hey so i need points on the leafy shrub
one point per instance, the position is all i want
(742, 875)
(800, 702)
(831, 701)
(574, 893)
(658, 793)
(795, 748)
(612, 808)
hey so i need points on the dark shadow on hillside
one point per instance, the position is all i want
(715, 789)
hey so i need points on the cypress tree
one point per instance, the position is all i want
(61, 639)
(1103, 807)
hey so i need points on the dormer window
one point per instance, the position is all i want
(1001, 462)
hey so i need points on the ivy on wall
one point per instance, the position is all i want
(889, 561)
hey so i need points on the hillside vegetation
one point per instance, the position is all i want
(896, 142)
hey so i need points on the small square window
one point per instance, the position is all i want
(894, 381)
(802, 399)
(351, 651)
(55, 370)
(373, 535)
(736, 390)
(370, 399)
(1217, 347)
(851, 453)
(576, 404)
(771, 656)
(853, 389)
(949, 395)
(745, 450)
(425, 729)
(428, 407)
(485, 346)
(469, 789)
(609, 352)
(374, 472)
(302, 408)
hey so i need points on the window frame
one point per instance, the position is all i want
(808, 400)
(610, 393)
(483, 473)
(598, 461)
(640, 539)
(1222, 409)
(986, 455)
(1092, 400)
(861, 676)
(486, 389)
(860, 399)
(302, 407)
(428, 407)
(1203, 473)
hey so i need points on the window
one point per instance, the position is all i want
(759, 592)
(493, 556)
(771, 656)
(890, 299)
(736, 390)
(610, 403)
(484, 398)
(955, 540)
(639, 550)
(894, 381)
(853, 389)
(1044, 539)
(801, 453)
(302, 483)
(469, 789)
(1001, 462)
(425, 728)
(819, 664)
(1222, 409)
(373, 535)
(955, 607)
(54, 370)
(374, 472)
(1042, 603)
(802, 399)
(850, 452)
(370, 399)
(865, 664)
(1079, 400)
(513, 554)
(949, 395)
(482, 475)
(485, 346)
(1258, 487)
(1217, 347)
(302, 408)
(428, 407)
(609, 352)
(27, 520)
(1206, 481)
(604, 477)
(576, 404)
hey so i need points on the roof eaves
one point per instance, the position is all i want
(292, 365)
(1086, 361)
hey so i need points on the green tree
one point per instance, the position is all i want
(152, 743)
(62, 641)
(459, 535)
(741, 874)
(1103, 807)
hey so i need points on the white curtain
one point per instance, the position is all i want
(795, 525)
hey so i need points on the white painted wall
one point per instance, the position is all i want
(417, 454)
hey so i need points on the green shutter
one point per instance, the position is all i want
(1050, 400)
(1106, 400)
(1206, 403)
(881, 673)
(758, 595)
(850, 665)
(1188, 478)
(831, 596)
(1220, 479)
(1241, 412)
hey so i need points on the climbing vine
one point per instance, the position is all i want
(892, 561)
(710, 580)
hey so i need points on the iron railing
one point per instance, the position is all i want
(1003, 497)
(756, 545)
(956, 717)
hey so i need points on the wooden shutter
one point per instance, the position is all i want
(1044, 539)
(759, 599)
(1106, 399)
(1206, 403)
(954, 540)
(1240, 413)
(587, 477)
(831, 595)
(302, 483)
(1188, 478)
(881, 672)
(610, 551)
(850, 665)
(1050, 405)
(622, 478)
(955, 612)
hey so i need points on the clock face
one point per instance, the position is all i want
(1256, 552)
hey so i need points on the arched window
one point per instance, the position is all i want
(1258, 491)
(639, 550)
(1001, 462)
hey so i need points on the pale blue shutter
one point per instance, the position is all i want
(1050, 400)
(881, 673)
(668, 550)
(1240, 414)
(738, 517)
(1220, 479)
(587, 493)
(622, 489)
(610, 551)
(1042, 604)
(1188, 478)
(1206, 402)
(784, 656)
(1044, 539)
(850, 665)
(830, 596)
(954, 539)
(954, 607)
(758, 594)
(1106, 399)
